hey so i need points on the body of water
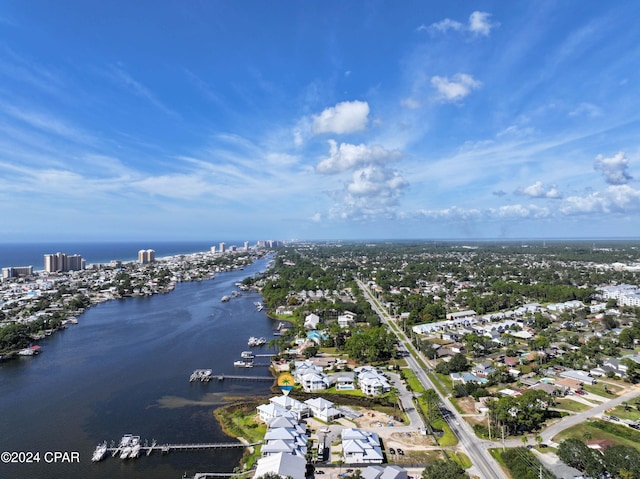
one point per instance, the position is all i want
(125, 369)
(32, 254)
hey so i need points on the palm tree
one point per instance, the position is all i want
(539, 439)
(525, 440)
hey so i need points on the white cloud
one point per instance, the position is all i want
(455, 89)
(345, 117)
(443, 26)
(373, 191)
(316, 218)
(518, 211)
(615, 199)
(586, 109)
(480, 24)
(348, 156)
(410, 103)
(538, 190)
(614, 169)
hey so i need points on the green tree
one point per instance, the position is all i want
(443, 469)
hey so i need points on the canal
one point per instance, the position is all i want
(125, 369)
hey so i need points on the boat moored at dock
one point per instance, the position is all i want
(254, 342)
(100, 453)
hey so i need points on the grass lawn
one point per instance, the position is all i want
(619, 411)
(412, 381)
(442, 383)
(454, 401)
(616, 433)
(460, 458)
(344, 392)
(599, 389)
(448, 438)
(571, 405)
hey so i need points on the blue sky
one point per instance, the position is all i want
(317, 120)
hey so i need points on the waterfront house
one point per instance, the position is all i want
(284, 465)
(300, 409)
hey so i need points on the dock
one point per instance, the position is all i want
(167, 448)
(206, 375)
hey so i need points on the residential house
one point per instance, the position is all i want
(300, 409)
(322, 409)
(361, 447)
(282, 464)
(311, 321)
(381, 472)
(578, 375)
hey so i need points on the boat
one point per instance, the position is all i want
(243, 364)
(125, 446)
(247, 355)
(100, 452)
(135, 447)
(253, 341)
(225, 298)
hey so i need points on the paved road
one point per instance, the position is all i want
(484, 465)
(567, 422)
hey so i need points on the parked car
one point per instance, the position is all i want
(319, 472)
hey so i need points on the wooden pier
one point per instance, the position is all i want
(206, 375)
(167, 448)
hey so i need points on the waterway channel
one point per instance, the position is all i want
(125, 369)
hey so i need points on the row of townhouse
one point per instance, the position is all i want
(624, 294)
(284, 447)
(312, 377)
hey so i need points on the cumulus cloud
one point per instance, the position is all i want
(456, 88)
(538, 190)
(614, 169)
(615, 199)
(479, 24)
(348, 156)
(345, 117)
(373, 191)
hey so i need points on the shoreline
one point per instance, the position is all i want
(151, 279)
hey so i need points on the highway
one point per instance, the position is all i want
(484, 465)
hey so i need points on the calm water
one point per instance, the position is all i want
(125, 369)
(26, 254)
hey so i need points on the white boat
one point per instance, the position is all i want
(247, 355)
(135, 447)
(253, 341)
(243, 364)
(225, 298)
(125, 446)
(100, 452)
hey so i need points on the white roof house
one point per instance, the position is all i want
(315, 382)
(346, 320)
(266, 412)
(322, 409)
(361, 447)
(311, 321)
(372, 382)
(381, 472)
(284, 465)
(290, 404)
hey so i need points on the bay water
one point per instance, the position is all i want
(124, 369)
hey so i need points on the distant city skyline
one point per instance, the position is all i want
(128, 121)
